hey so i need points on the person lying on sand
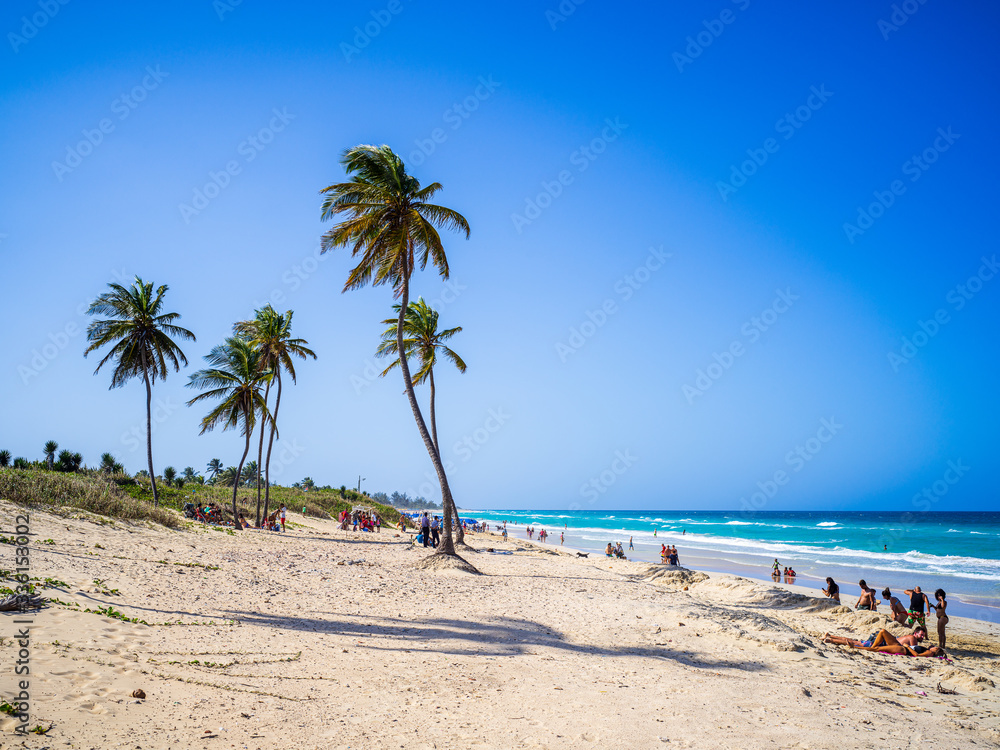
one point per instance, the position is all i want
(885, 642)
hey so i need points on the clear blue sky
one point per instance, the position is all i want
(614, 270)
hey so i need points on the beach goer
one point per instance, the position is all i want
(867, 599)
(942, 616)
(674, 559)
(283, 509)
(630, 543)
(654, 532)
(776, 568)
(562, 537)
(663, 554)
(609, 550)
(832, 590)
(425, 529)
(916, 611)
(897, 609)
(885, 643)
(436, 532)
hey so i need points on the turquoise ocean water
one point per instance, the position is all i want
(959, 552)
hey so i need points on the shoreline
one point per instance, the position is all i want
(809, 574)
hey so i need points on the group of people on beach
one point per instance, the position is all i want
(920, 605)
(212, 513)
(362, 520)
(668, 555)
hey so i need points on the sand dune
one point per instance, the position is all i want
(328, 639)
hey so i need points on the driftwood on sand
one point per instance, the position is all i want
(14, 603)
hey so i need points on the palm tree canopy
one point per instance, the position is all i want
(271, 334)
(140, 331)
(50, 448)
(235, 378)
(214, 467)
(421, 338)
(387, 219)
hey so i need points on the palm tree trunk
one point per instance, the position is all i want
(260, 451)
(447, 545)
(270, 443)
(459, 531)
(149, 429)
(239, 470)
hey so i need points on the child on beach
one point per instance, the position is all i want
(283, 517)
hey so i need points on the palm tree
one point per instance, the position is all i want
(141, 334)
(308, 484)
(50, 453)
(235, 377)
(213, 468)
(421, 338)
(108, 463)
(393, 228)
(226, 477)
(21, 463)
(169, 474)
(189, 474)
(250, 473)
(270, 333)
(4, 459)
(69, 461)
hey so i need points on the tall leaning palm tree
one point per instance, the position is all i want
(423, 340)
(391, 228)
(142, 345)
(235, 378)
(271, 334)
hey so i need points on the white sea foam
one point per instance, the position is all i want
(828, 523)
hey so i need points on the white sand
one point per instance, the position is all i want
(287, 645)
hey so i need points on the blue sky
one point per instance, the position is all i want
(717, 249)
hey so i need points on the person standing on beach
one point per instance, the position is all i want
(916, 612)
(942, 616)
(562, 537)
(630, 543)
(283, 517)
(425, 528)
(435, 532)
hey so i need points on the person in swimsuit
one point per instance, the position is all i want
(942, 616)
(881, 638)
(867, 599)
(898, 610)
(917, 601)
(832, 590)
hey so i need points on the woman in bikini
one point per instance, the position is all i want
(885, 642)
(942, 615)
(899, 613)
(832, 590)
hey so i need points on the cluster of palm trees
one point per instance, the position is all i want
(240, 373)
(391, 229)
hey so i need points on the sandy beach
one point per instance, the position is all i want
(326, 639)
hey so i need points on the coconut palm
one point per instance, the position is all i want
(169, 474)
(213, 468)
(4, 459)
(235, 378)
(50, 453)
(423, 340)
(226, 477)
(270, 333)
(142, 345)
(391, 226)
(69, 461)
(250, 473)
(189, 474)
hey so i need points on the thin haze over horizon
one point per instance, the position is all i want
(724, 255)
